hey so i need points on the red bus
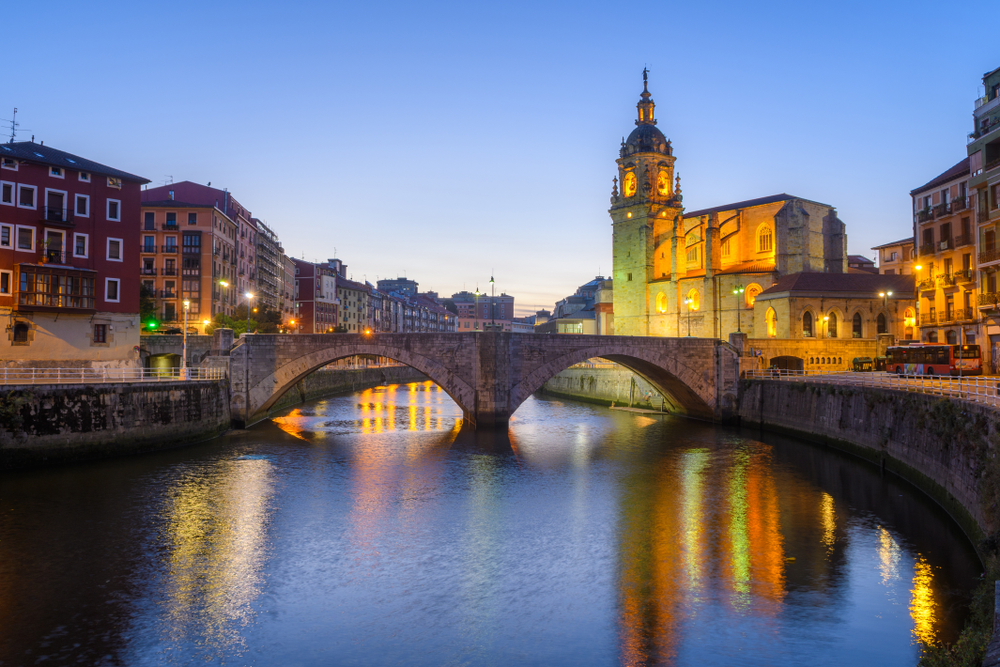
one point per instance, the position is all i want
(934, 359)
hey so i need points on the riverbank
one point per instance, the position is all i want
(43, 425)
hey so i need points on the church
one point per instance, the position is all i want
(698, 273)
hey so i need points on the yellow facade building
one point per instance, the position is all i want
(698, 273)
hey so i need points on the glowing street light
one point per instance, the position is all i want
(184, 347)
(738, 291)
(690, 304)
(249, 296)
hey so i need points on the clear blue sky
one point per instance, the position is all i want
(449, 140)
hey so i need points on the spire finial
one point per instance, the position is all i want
(645, 81)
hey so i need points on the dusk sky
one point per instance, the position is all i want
(449, 141)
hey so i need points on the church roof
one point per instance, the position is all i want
(753, 266)
(826, 283)
(749, 203)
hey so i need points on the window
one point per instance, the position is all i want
(25, 238)
(9, 163)
(750, 295)
(807, 324)
(880, 324)
(80, 243)
(6, 193)
(56, 172)
(661, 302)
(57, 288)
(630, 276)
(5, 279)
(114, 210)
(192, 218)
(6, 236)
(892, 256)
(171, 220)
(149, 221)
(856, 326)
(148, 244)
(82, 205)
(114, 250)
(765, 239)
(26, 195)
(20, 336)
(115, 183)
(85, 177)
(111, 286)
(831, 325)
(771, 318)
(100, 333)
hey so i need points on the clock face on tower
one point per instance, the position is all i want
(663, 184)
(628, 185)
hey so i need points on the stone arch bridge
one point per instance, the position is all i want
(488, 374)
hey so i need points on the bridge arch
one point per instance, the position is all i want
(678, 382)
(266, 392)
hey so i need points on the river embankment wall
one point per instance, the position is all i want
(946, 447)
(606, 384)
(325, 383)
(50, 424)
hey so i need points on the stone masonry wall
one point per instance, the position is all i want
(606, 385)
(943, 446)
(46, 424)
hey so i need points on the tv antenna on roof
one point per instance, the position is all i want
(13, 125)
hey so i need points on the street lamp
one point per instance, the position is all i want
(690, 305)
(223, 284)
(885, 307)
(184, 347)
(826, 326)
(738, 291)
(249, 296)
(478, 294)
(493, 298)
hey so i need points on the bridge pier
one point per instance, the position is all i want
(488, 374)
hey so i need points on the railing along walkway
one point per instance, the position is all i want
(976, 388)
(103, 375)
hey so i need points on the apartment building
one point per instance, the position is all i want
(984, 202)
(896, 258)
(188, 253)
(69, 245)
(268, 266)
(316, 297)
(946, 244)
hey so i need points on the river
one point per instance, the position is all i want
(369, 529)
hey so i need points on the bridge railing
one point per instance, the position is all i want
(978, 389)
(18, 376)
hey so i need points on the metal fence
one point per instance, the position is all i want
(102, 375)
(977, 388)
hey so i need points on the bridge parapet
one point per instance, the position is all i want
(488, 374)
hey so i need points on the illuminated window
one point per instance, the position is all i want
(628, 185)
(750, 295)
(692, 300)
(726, 248)
(831, 325)
(771, 318)
(765, 239)
(661, 302)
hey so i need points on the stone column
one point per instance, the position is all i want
(493, 378)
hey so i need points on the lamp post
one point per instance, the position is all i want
(738, 291)
(249, 296)
(184, 347)
(689, 303)
(478, 294)
(223, 284)
(885, 307)
(826, 325)
(493, 298)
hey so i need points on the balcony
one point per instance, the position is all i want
(170, 227)
(58, 216)
(168, 272)
(965, 276)
(192, 249)
(169, 248)
(963, 239)
(927, 319)
(946, 280)
(989, 255)
(989, 299)
(944, 244)
(168, 294)
(147, 271)
(926, 285)
(148, 249)
(926, 249)
(962, 315)
(53, 289)
(959, 204)
(925, 215)
(940, 209)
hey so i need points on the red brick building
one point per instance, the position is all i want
(69, 248)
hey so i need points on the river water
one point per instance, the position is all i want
(370, 530)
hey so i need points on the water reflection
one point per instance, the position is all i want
(373, 528)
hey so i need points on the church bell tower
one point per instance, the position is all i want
(645, 217)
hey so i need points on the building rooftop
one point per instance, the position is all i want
(749, 203)
(29, 151)
(959, 170)
(907, 241)
(872, 283)
(167, 203)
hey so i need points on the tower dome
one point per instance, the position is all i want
(646, 137)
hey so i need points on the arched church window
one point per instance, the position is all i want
(856, 326)
(771, 318)
(692, 300)
(661, 303)
(807, 324)
(750, 295)
(628, 184)
(765, 239)
(831, 325)
(880, 324)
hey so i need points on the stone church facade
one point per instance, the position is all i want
(679, 273)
